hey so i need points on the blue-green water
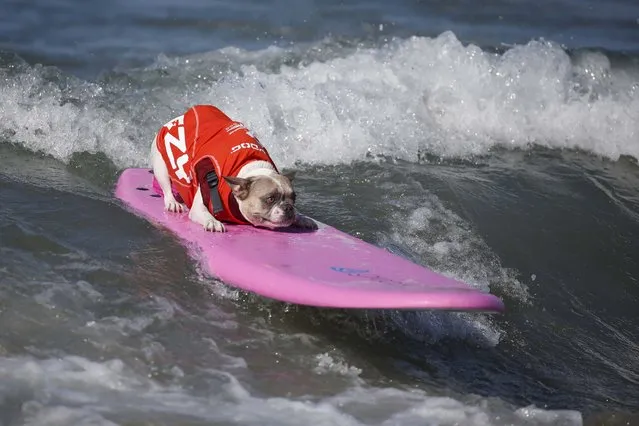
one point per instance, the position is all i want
(495, 142)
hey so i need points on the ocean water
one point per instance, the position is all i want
(496, 142)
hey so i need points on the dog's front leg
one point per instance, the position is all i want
(199, 213)
(161, 173)
(304, 222)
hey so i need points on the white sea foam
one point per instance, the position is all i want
(76, 391)
(449, 245)
(328, 364)
(433, 95)
(424, 230)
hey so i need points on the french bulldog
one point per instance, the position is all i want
(205, 143)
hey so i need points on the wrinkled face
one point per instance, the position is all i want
(267, 201)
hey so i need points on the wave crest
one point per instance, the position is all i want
(406, 98)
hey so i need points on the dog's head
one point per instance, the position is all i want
(265, 200)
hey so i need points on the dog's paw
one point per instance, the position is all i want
(171, 205)
(305, 223)
(214, 225)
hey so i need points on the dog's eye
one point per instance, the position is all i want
(270, 200)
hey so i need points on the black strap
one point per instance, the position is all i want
(205, 172)
(216, 201)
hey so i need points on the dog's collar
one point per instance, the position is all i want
(251, 168)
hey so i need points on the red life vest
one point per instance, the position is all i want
(204, 132)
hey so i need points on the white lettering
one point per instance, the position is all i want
(234, 128)
(177, 120)
(239, 126)
(247, 145)
(179, 143)
(180, 173)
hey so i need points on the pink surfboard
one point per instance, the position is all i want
(323, 268)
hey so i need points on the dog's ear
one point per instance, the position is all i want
(290, 175)
(239, 186)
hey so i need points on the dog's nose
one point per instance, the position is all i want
(288, 208)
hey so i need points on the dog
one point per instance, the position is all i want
(222, 174)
